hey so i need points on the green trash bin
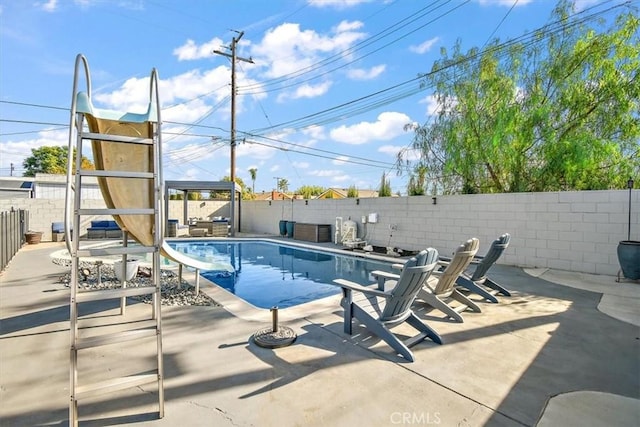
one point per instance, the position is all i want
(291, 225)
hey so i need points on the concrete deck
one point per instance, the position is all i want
(563, 350)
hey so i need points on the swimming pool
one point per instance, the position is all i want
(269, 274)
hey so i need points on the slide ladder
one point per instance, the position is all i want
(127, 157)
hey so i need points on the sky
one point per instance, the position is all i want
(325, 89)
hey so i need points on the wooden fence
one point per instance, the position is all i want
(13, 225)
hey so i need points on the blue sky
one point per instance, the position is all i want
(325, 102)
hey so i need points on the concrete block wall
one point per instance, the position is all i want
(574, 231)
(43, 212)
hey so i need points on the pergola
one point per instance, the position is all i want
(186, 186)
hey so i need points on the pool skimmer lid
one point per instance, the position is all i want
(274, 336)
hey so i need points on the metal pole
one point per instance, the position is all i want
(630, 186)
(274, 319)
(233, 107)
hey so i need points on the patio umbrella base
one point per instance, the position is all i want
(268, 338)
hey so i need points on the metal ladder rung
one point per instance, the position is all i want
(115, 384)
(114, 293)
(107, 211)
(116, 138)
(116, 174)
(91, 252)
(115, 337)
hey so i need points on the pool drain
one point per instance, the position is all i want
(274, 336)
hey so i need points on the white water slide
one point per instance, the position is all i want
(132, 194)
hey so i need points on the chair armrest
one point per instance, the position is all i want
(382, 277)
(386, 275)
(476, 259)
(346, 284)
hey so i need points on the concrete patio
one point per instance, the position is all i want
(563, 350)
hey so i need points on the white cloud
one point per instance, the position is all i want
(340, 160)
(434, 106)
(49, 5)
(390, 149)
(387, 126)
(508, 3)
(17, 151)
(255, 151)
(287, 49)
(408, 153)
(274, 168)
(325, 173)
(361, 74)
(300, 165)
(192, 95)
(315, 132)
(424, 47)
(583, 4)
(190, 51)
(337, 4)
(306, 91)
(341, 178)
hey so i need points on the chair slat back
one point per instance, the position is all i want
(461, 259)
(495, 251)
(414, 274)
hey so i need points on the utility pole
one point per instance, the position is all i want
(234, 57)
(11, 170)
(277, 178)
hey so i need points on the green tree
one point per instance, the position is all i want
(385, 187)
(417, 181)
(246, 192)
(254, 173)
(283, 185)
(557, 111)
(352, 192)
(308, 191)
(50, 159)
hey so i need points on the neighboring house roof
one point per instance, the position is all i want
(272, 195)
(11, 187)
(341, 193)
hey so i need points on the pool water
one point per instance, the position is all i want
(270, 274)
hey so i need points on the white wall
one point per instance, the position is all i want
(575, 231)
(43, 212)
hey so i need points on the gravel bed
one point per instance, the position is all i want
(172, 295)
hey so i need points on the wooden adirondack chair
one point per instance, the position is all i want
(381, 310)
(478, 282)
(439, 289)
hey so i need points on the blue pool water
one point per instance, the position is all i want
(270, 274)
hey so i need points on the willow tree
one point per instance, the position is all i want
(556, 109)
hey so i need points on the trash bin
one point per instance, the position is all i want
(290, 227)
(283, 227)
(172, 229)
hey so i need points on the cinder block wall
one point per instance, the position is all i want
(575, 231)
(43, 212)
